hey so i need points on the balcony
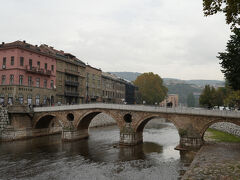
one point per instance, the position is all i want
(70, 93)
(71, 83)
(76, 73)
(37, 70)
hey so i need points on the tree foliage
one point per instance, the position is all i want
(230, 60)
(151, 88)
(206, 98)
(230, 8)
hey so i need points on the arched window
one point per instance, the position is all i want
(29, 99)
(37, 99)
(20, 98)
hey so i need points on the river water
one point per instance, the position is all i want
(97, 158)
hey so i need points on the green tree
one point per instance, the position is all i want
(230, 60)
(230, 8)
(190, 100)
(206, 98)
(233, 99)
(151, 88)
(219, 96)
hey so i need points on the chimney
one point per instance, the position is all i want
(24, 41)
(3, 43)
(36, 45)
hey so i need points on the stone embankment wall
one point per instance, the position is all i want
(227, 127)
(102, 120)
(4, 120)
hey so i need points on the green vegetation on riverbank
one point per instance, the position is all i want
(222, 136)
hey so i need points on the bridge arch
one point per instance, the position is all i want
(85, 120)
(44, 121)
(143, 122)
(206, 126)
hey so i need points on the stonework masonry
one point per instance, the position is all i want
(102, 120)
(4, 120)
(227, 127)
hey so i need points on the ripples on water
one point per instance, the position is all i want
(98, 157)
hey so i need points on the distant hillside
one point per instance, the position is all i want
(176, 86)
(131, 76)
(202, 83)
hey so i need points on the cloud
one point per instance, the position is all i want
(171, 38)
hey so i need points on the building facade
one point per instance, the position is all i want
(170, 101)
(70, 78)
(93, 84)
(113, 89)
(28, 75)
(42, 75)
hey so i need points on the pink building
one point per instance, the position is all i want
(27, 74)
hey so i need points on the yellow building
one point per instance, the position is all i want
(170, 101)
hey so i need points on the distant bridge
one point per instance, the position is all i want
(74, 121)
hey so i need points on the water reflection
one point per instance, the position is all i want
(98, 157)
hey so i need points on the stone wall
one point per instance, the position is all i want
(102, 120)
(227, 127)
(4, 120)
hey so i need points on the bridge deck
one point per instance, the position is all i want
(178, 110)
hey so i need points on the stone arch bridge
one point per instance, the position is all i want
(74, 120)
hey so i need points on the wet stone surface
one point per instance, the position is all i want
(216, 161)
(98, 157)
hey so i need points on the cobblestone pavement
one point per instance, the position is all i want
(220, 161)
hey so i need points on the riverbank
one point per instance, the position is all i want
(220, 161)
(214, 135)
(219, 158)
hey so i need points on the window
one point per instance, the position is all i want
(21, 80)
(52, 84)
(3, 79)
(44, 99)
(38, 82)
(20, 98)
(12, 60)
(38, 64)
(29, 80)
(52, 67)
(10, 99)
(30, 63)
(29, 99)
(45, 66)
(45, 83)
(21, 61)
(2, 99)
(37, 100)
(11, 79)
(4, 62)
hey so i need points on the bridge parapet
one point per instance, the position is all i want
(143, 108)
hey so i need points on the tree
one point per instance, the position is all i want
(230, 60)
(219, 96)
(206, 98)
(151, 88)
(190, 100)
(233, 99)
(231, 9)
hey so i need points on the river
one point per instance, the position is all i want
(97, 158)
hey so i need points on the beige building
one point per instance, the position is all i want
(93, 84)
(170, 101)
(113, 88)
(70, 77)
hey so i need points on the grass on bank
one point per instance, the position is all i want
(222, 136)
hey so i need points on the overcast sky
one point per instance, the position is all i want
(169, 37)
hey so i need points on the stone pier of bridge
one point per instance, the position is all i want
(73, 122)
